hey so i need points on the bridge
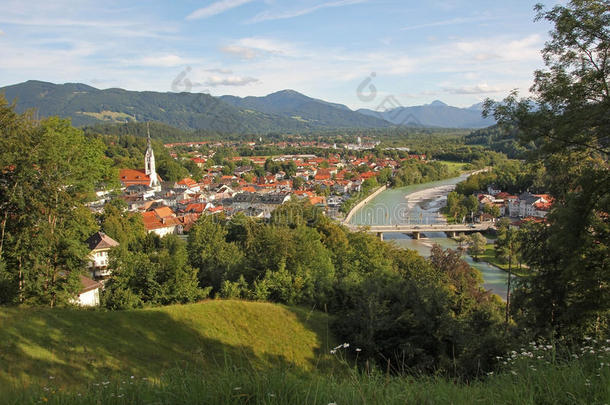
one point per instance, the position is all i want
(416, 230)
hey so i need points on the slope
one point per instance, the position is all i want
(86, 105)
(74, 347)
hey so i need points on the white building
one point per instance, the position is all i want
(99, 246)
(89, 295)
(149, 164)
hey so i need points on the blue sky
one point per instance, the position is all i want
(457, 51)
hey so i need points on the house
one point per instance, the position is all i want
(99, 245)
(187, 184)
(89, 295)
(162, 221)
(529, 205)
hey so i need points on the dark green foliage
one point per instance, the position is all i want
(567, 294)
(411, 315)
(153, 271)
(499, 139)
(48, 170)
(415, 172)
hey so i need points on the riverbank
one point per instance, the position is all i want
(363, 202)
(489, 256)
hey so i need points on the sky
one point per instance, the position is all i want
(361, 53)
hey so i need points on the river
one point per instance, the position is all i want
(420, 204)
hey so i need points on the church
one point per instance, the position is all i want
(143, 177)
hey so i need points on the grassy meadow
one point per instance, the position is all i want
(77, 347)
(236, 352)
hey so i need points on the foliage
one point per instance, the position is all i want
(499, 139)
(152, 271)
(567, 294)
(411, 315)
(415, 172)
(477, 243)
(48, 171)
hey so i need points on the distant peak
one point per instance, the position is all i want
(438, 103)
(287, 92)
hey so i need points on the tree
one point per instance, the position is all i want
(154, 271)
(297, 183)
(48, 170)
(122, 226)
(471, 203)
(210, 253)
(477, 243)
(492, 210)
(567, 120)
(506, 248)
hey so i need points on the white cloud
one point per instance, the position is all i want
(219, 70)
(501, 49)
(254, 47)
(240, 51)
(216, 8)
(215, 81)
(482, 88)
(453, 21)
(160, 61)
(270, 15)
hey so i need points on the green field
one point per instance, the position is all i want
(454, 165)
(489, 256)
(77, 347)
(236, 352)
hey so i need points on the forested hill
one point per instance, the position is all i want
(499, 139)
(294, 105)
(86, 105)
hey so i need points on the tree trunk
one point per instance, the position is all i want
(20, 281)
(508, 292)
(2, 231)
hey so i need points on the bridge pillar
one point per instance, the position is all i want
(380, 235)
(416, 235)
(451, 234)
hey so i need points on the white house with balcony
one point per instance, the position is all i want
(99, 246)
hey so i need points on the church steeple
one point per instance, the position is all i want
(149, 161)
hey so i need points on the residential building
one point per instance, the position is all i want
(99, 245)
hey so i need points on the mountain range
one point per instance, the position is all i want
(435, 114)
(286, 110)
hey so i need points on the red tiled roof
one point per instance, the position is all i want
(187, 181)
(164, 212)
(131, 177)
(197, 207)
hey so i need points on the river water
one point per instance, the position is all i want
(420, 204)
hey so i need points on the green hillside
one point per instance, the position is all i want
(77, 347)
(86, 105)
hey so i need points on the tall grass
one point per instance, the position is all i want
(527, 378)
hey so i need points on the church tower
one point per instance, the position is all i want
(149, 163)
